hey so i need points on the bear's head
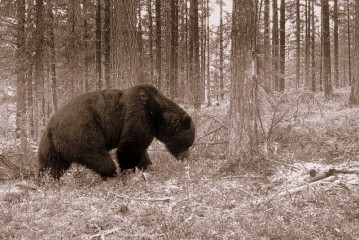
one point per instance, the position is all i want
(173, 126)
(177, 131)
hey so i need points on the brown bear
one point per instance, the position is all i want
(86, 128)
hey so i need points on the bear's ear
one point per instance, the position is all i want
(186, 122)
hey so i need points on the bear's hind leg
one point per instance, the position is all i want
(54, 165)
(100, 162)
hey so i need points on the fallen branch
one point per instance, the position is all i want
(296, 189)
(211, 143)
(251, 177)
(103, 233)
(316, 177)
(163, 199)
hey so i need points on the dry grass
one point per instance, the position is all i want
(207, 197)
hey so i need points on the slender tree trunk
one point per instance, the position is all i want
(85, 83)
(174, 50)
(30, 101)
(282, 46)
(354, 95)
(73, 48)
(98, 45)
(39, 66)
(336, 44)
(150, 38)
(349, 46)
(141, 74)
(208, 59)
(313, 85)
(307, 44)
(21, 133)
(297, 40)
(267, 56)
(30, 78)
(194, 51)
(52, 57)
(221, 52)
(158, 44)
(203, 43)
(275, 46)
(321, 54)
(107, 43)
(328, 91)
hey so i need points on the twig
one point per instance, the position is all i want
(103, 233)
(234, 177)
(209, 133)
(23, 186)
(163, 199)
(93, 181)
(250, 194)
(217, 120)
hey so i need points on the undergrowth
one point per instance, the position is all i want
(208, 196)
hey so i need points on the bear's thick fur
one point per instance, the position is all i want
(88, 126)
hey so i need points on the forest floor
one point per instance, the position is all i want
(306, 186)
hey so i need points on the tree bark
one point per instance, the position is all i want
(243, 132)
(107, 43)
(52, 57)
(354, 95)
(349, 46)
(221, 52)
(125, 43)
(150, 38)
(297, 40)
(158, 44)
(21, 133)
(336, 43)
(85, 83)
(266, 75)
(275, 46)
(307, 46)
(98, 45)
(174, 50)
(328, 91)
(39, 67)
(282, 46)
(208, 59)
(194, 52)
(313, 85)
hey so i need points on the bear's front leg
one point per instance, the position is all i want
(130, 157)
